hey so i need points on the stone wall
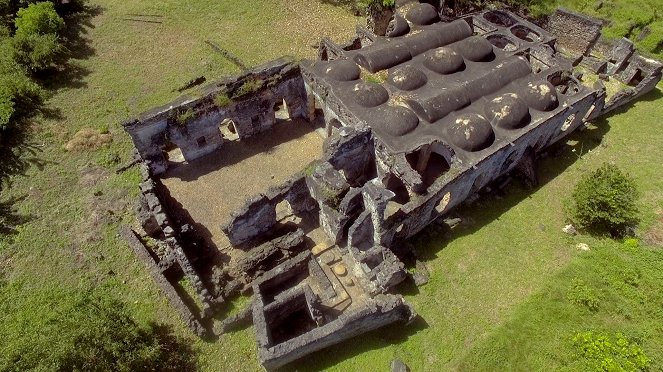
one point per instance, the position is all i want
(576, 33)
(193, 123)
(258, 215)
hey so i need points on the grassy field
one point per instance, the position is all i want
(498, 298)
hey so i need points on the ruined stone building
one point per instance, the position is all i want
(415, 121)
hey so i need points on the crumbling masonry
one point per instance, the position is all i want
(416, 120)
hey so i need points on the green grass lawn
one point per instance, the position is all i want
(497, 299)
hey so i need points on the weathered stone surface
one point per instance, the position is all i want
(398, 366)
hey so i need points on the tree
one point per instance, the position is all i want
(38, 19)
(604, 201)
(36, 41)
(18, 94)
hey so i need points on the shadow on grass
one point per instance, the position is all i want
(69, 73)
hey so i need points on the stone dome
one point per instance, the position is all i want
(398, 120)
(343, 70)
(369, 94)
(422, 14)
(407, 78)
(471, 132)
(507, 111)
(443, 61)
(540, 95)
(477, 49)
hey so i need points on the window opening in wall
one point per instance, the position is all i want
(637, 78)
(589, 113)
(568, 122)
(172, 153)
(443, 203)
(281, 110)
(201, 141)
(478, 183)
(429, 163)
(333, 126)
(510, 160)
(228, 130)
(255, 122)
(396, 185)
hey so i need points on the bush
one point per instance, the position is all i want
(580, 294)
(605, 353)
(604, 201)
(222, 100)
(38, 19)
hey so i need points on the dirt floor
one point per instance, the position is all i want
(211, 187)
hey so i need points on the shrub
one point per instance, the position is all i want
(605, 201)
(605, 353)
(580, 294)
(222, 100)
(183, 117)
(37, 52)
(249, 86)
(38, 19)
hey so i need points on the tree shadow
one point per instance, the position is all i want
(69, 73)
(10, 219)
(181, 356)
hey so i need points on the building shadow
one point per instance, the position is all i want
(233, 152)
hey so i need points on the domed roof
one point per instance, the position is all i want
(422, 14)
(507, 111)
(397, 26)
(343, 70)
(398, 120)
(471, 132)
(443, 60)
(370, 95)
(407, 78)
(540, 95)
(477, 49)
